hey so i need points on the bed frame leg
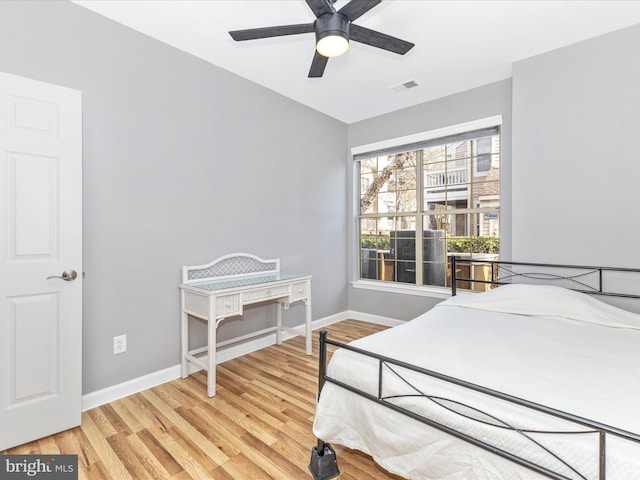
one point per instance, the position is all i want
(324, 464)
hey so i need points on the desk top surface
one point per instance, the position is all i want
(212, 285)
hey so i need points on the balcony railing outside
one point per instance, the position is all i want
(449, 177)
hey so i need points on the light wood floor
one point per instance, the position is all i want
(258, 426)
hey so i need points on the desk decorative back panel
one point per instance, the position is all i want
(231, 265)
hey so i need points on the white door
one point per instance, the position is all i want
(40, 237)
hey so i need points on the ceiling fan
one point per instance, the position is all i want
(333, 29)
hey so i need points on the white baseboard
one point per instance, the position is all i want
(115, 392)
(377, 319)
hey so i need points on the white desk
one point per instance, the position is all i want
(221, 289)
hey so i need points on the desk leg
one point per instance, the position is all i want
(279, 323)
(211, 349)
(308, 333)
(184, 338)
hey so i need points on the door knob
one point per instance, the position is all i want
(67, 275)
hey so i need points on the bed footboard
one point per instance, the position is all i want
(324, 465)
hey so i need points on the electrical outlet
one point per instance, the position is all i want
(119, 344)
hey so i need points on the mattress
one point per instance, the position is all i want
(548, 345)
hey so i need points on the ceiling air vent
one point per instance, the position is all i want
(401, 87)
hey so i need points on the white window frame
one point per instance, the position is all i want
(404, 288)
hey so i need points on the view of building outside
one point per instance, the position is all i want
(445, 198)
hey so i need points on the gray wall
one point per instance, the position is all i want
(576, 161)
(487, 101)
(183, 162)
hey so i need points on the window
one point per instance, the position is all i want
(441, 195)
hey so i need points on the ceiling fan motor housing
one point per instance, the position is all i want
(332, 24)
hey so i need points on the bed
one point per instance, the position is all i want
(524, 381)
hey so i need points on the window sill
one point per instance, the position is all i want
(406, 289)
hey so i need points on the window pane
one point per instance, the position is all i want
(368, 165)
(370, 172)
(366, 179)
(434, 201)
(488, 225)
(446, 184)
(368, 227)
(474, 234)
(485, 193)
(434, 257)
(458, 150)
(406, 201)
(405, 178)
(402, 253)
(374, 238)
(478, 248)
(386, 202)
(434, 155)
(454, 223)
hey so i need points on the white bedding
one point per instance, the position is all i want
(549, 345)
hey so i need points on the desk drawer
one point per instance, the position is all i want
(265, 293)
(228, 305)
(299, 291)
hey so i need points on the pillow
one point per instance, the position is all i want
(547, 301)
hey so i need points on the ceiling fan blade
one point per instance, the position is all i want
(317, 66)
(320, 7)
(266, 32)
(353, 9)
(379, 40)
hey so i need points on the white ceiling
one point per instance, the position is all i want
(459, 44)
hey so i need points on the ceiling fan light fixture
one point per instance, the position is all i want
(333, 44)
(332, 34)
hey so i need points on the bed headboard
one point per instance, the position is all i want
(230, 266)
(609, 281)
